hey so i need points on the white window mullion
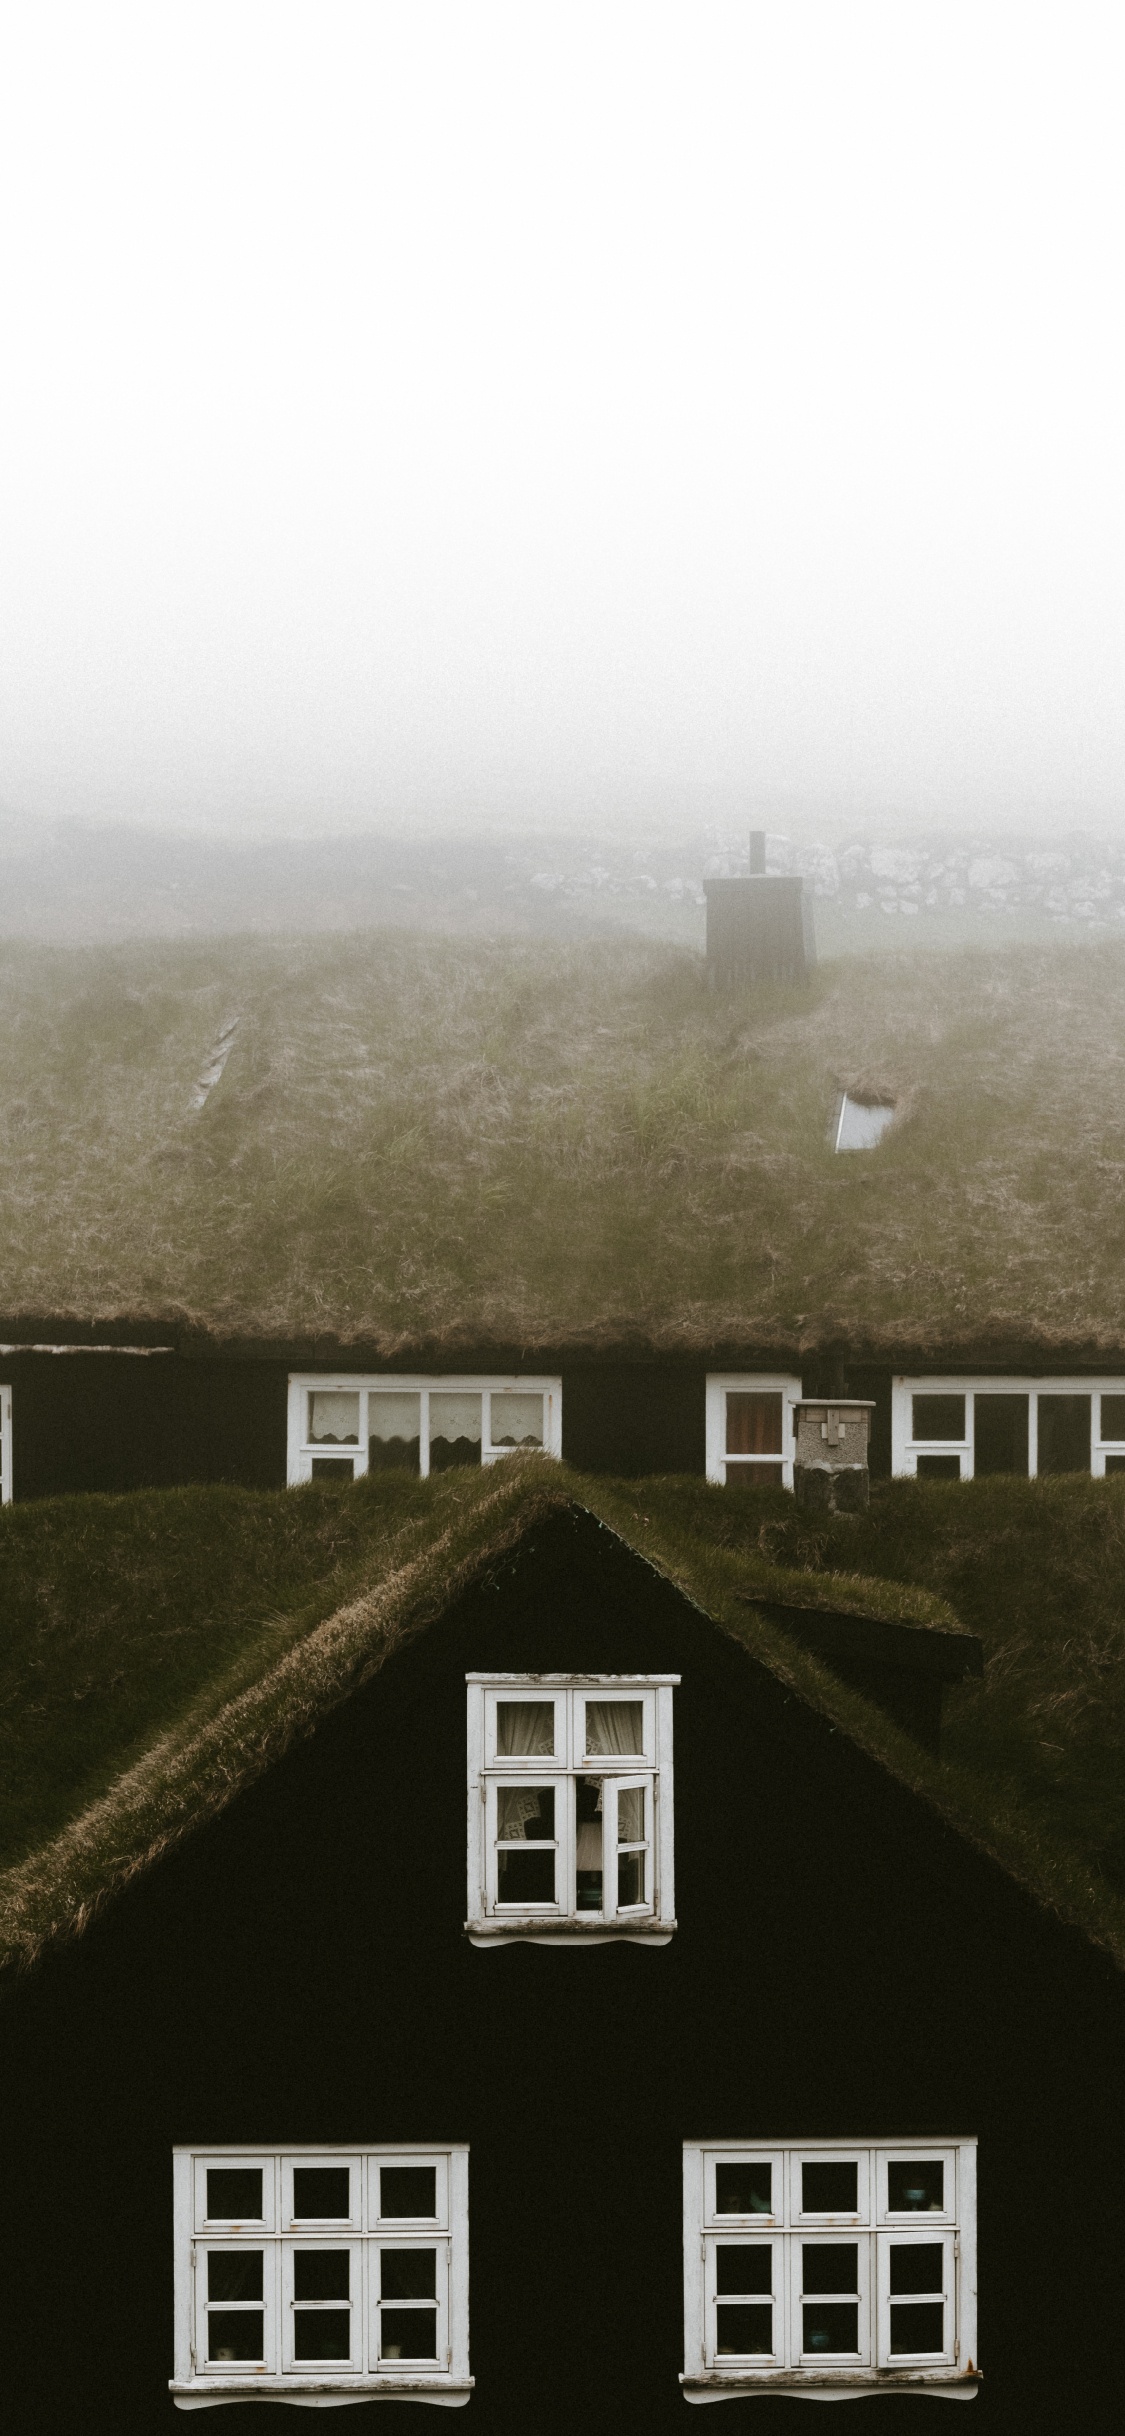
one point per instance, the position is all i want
(424, 1433)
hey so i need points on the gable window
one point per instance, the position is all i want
(965, 1428)
(341, 1427)
(5, 1445)
(309, 2275)
(750, 1420)
(570, 1809)
(831, 2269)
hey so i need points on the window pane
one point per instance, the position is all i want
(234, 2275)
(829, 2190)
(631, 1815)
(322, 2334)
(917, 2266)
(321, 2275)
(394, 1432)
(408, 2275)
(1115, 1463)
(588, 1849)
(525, 1728)
(614, 1728)
(321, 2190)
(525, 1813)
(1064, 1434)
(1113, 1416)
(332, 1467)
(744, 2190)
(753, 1423)
(407, 2190)
(915, 2187)
(831, 2266)
(1000, 1434)
(746, 2329)
(454, 1431)
(235, 2334)
(525, 1877)
(333, 1419)
(739, 2268)
(631, 1878)
(831, 2326)
(939, 1467)
(754, 1476)
(408, 2334)
(921, 2327)
(234, 2193)
(939, 1417)
(517, 1421)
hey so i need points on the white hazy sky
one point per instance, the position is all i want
(424, 410)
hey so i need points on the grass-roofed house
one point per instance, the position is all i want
(275, 1209)
(741, 2049)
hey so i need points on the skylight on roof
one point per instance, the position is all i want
(860, 1124)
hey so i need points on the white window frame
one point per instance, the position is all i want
(5, 1446)
(878, 2231)
(720, 1384)
(906, 1448)
(300, 1450)
(490, 1923)
(281, 2376)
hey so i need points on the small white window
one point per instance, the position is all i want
(321, 2275)
(833, 2269)
(961, 1428)
(750, 1421)
(859, 1124)
(341, 1428)
(5, 1445)
(570, 1808)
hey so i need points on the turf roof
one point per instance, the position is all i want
(420, 1144)
(164, 1648)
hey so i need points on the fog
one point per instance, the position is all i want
(506, 416)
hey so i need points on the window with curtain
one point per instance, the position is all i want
(570, 1808)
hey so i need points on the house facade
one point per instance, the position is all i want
(151, 1407)
(572, 2025)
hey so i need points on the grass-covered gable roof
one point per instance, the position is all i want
(162, 1649)
(421, 1144)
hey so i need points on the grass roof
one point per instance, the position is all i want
(421, 1142)
(163, 1648)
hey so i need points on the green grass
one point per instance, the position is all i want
(422, 1139)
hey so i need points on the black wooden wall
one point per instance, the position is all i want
(297, 1971)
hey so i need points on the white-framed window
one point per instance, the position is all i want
(570, 1808)
(317, 2275)
(958, 1427)
(5, 1445)
(750, 1424)
(833, 2268)
(342, 1426)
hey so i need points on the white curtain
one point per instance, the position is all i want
(525, 1729)
(615, 1727)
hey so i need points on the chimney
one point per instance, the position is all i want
(759, 926)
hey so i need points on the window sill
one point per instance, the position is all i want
(320, 2393)
(839, 2385)
(569, 1932)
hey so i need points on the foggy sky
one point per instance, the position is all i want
(417, 410)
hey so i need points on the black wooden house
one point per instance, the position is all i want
(550, 1992)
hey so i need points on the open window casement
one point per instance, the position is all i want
(570, 1834)
(315, 2276)
(831, 2270)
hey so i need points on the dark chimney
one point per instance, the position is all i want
(759, 926)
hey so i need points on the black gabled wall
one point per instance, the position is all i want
(297, 1970)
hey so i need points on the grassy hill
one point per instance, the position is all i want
(419, 1140)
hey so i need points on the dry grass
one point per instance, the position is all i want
(430, 1142)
